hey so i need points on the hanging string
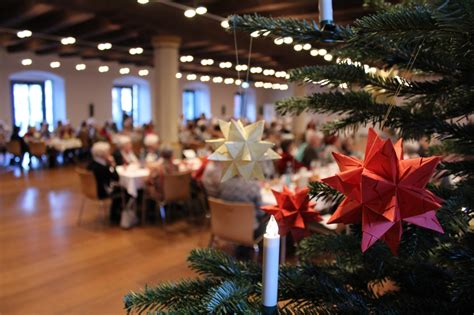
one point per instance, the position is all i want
(411, 64)
(244, 95)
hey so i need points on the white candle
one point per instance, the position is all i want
(271, 256)
(325, 11)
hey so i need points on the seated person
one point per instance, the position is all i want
(237, 189)
(211, 178)
(314, 148)
(23, 146)
(164, 166)
(124, 154)
(152, 145)
(287, 158)
(103, 167)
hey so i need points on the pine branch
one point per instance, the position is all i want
(231, 298)
(352, 74)
(459, 168)
(213, 263)
(300, 30)
(321, 191)
(175, 296)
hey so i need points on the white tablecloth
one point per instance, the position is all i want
(132, 178)
(62, 145)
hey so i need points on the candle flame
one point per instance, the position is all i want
(272, 227)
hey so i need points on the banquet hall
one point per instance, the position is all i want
(128, 129)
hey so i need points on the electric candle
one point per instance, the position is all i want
(325, 12)
(271, 256)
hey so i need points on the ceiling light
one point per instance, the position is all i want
(136, 51)
(255, 34)
(268, 72)
(278, 41)
(201, 10)
(266, 33)
(68, 40)
(80, 67)
(283, 87)
(205, 78)
(124, 70)
(238, 82)
(298, 47)
(179, 75)
(104, 46)
(103, 69)
(55, 64)
(143, 72)
(267, 85)
(245, 85)
(307, 46)
(314, 52)
(225, 24)
(217, 79)
(258, 84)
(328, 57)
(191, 77)
(322, 51)
(190, 13)
(143, 1)
(225, 65)
(276, 86)
(228, 81)
(288, 40)
(26, 62)
(183, 58)
(24, 34)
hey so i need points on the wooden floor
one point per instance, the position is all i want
(49, 265)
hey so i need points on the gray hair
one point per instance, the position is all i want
(99, 149)
(151, 139)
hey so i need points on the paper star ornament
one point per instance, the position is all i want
(383, 191)
(242, 149)
(293, 212)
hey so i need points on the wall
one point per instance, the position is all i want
(89, 86)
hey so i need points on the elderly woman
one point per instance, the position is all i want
(106, 177)
(152, 144)
(164, 166)
(124, 154)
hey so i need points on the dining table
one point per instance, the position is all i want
(132, 178)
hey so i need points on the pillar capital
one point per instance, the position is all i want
(168, 41)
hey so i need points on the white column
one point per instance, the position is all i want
(167, 106)
(300, 121)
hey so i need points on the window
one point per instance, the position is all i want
(32, 103)
(244, 106)
(125, 103)
(190, 108)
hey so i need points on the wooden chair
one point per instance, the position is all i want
(89, 191)
(233, 222)
(14, 147)
(37, 149)
(176, 189)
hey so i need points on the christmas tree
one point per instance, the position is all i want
(426, 89)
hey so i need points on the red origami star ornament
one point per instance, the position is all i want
(293, 212)
(383, 191)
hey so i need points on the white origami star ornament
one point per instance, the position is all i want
(242, 149)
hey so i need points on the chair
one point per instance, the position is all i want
(233, 222)
(89, 191)
(37, 149)
(176, 188)
(14, 147)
